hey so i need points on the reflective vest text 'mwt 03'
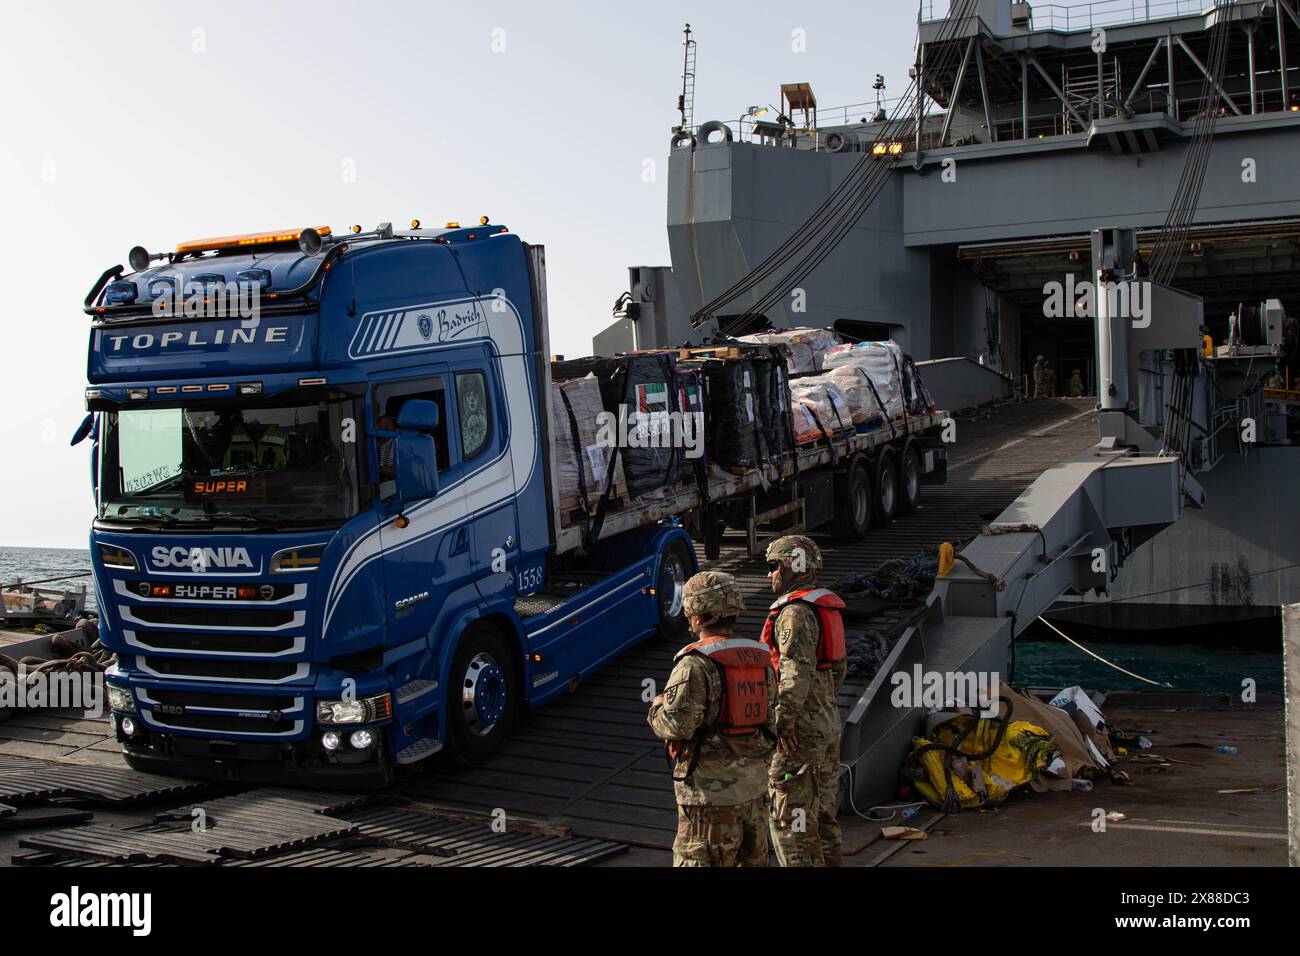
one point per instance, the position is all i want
(827, 604)
(742, 665)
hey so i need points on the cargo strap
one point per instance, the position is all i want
(700, 464)
(592, 532)
(578, 460)
(843, 427)
(902, 387)
(893, 432)
(830, 442)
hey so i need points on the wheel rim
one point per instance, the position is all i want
(913, 479)
(861, 504)
(673, 586)
(887, 490)
(484, 694)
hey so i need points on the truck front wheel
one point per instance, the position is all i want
(674, 568)
(482, 696)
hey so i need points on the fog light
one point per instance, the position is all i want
(331, 740)
(361, 739)
(128, 726)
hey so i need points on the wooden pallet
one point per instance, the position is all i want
(721, 352)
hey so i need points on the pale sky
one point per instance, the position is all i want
(150, 123)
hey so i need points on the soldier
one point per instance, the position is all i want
(715, 716)
(1049, 381)
(1040, 367)
(805, 637)
(1076, 385)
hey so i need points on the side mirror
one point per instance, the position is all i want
(83, 430)
(415, 461)
(419, 414)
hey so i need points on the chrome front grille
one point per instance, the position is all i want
(207, 642)
(223, 669)
(264, 715)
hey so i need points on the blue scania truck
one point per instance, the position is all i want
(327, 543)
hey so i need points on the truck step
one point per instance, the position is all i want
(416, 688)
(425, 747)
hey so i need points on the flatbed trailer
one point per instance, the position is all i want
(837, 452)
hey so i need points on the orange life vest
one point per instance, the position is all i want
(827, 604)
(742, 665)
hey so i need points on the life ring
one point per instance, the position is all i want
(715, 126)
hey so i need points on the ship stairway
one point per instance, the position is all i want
(1079, 83)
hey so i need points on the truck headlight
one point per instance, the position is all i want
(359, 710)
(120, 699)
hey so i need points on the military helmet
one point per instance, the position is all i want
(713, 595)
(797, 552)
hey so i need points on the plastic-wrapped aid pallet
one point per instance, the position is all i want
(733, 428)
(773, 378)
(820, 409)
(806, 346)
(581, 463)
(638, 389)
(881, 361)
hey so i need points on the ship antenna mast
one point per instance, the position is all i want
(686, 101)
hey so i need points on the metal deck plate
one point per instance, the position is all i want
(462, 843)
(107, 784)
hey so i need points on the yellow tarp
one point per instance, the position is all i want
(1024, 750)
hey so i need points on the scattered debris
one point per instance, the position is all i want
(903, 833)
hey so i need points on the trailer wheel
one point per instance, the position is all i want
(853, 504)
(674, 568)
(886, 487)
(482, 695)
(909, 480)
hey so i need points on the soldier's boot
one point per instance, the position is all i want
(795, 808)
(708, 836)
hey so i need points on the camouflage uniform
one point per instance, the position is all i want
(808, 778)
(719, 780)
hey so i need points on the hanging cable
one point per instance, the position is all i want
(826, 227)
(1064, 636)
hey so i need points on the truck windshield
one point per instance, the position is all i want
(265, 465)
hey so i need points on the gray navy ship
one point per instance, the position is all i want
(1033, 127)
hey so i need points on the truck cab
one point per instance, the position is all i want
(324, 543)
